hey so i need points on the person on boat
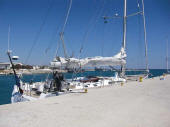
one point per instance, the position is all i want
(58, 78)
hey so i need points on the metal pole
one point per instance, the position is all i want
(124, 26)
(146, 47)
(167, 56)
(124, 37)
(15, 75)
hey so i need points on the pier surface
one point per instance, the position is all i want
(135, 104)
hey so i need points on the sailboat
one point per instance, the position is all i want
(37, 90)
(117, 60)
(46, 89)
(31, 91)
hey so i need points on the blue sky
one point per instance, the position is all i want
(85, 27)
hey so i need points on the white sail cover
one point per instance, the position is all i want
(98, 61)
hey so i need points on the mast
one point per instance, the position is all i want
(124, 26)
(167, 55)
(146, 47)
(124, 37)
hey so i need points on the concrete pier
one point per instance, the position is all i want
(134, 104)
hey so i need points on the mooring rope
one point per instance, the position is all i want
(39, 32)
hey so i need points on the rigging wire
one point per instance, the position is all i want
(106, 21)
(99, 12)
(104, 30)
(57, 49)
(66, 18)
(51, 40)
(8, 37)
(48, 48)
(86, 34)
(39, 31)
(38, 34)
(63, 29)
(93, 17)
(75, 72)
(102, 40)
(70, 45)
(62, 34)
(93, 20)
(139, 33)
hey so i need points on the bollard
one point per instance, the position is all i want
(140, 79)
(162, 77)
(121, 84)
(85, 90)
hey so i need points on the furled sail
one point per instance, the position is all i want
(98, 61)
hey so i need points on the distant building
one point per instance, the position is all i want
(16, 63)
(4, 66)
(44, 67)
(36, 67)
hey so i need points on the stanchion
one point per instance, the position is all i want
(140, 79)
(85, 90)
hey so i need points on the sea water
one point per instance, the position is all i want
(7, 81)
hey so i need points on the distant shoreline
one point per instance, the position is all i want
(27, 71)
